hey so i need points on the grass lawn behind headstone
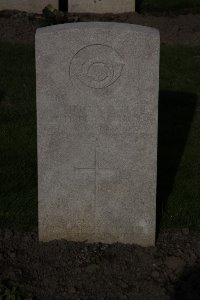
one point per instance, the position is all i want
(179, 142)
(169, 5)
(179, 132)
(18, 179)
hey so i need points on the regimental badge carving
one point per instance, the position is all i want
(97, 66)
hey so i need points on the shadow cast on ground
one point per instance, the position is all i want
(175, 114)
(188, 285)
(63, 5)
(2, 95)
(138, 5)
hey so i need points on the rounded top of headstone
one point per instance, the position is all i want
(98, 25)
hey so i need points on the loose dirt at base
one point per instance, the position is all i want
(73, 270)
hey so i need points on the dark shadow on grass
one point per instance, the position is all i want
(2, 95)
(63, 5)
(176, 110)
(138, 6)
(188, 285)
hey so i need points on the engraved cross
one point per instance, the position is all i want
(95, 168)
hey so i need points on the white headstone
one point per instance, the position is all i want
(97, 114)
(101, 6)
(34, 6)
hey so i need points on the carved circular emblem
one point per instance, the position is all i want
(96, 66)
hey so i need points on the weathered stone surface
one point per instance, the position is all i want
(101, 6)
(97, 106)
(34, 6)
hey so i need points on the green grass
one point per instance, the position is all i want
(179, 131)
(179, 142)
(169, 5)
(9, 293)
(18, 183)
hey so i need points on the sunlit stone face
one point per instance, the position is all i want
(97, 106)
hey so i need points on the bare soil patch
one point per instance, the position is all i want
(73, 270)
